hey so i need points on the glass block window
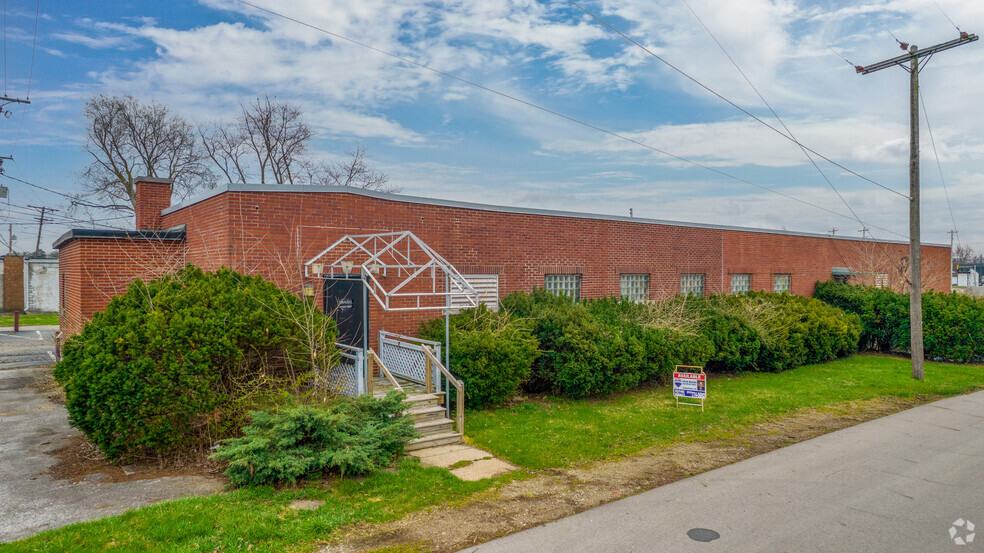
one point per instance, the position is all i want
(634, 287)
(741, 283)
(782, 283)
(881, 280)
(569, 285)
(692, 284)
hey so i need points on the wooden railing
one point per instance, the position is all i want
(371, 360)
(432, 361)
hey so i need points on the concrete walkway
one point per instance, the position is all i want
(465, 461)
(31, 428)
(907, 482)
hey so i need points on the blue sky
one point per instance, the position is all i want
(441, 138)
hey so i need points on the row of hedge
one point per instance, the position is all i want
(546, 343)
(953, 324)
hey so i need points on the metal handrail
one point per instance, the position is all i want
(373, 358)
(458, 385)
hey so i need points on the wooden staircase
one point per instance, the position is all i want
(428, 412)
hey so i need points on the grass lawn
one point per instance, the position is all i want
(558, 433)
(553, 433)
(30, 319)
(257, 519)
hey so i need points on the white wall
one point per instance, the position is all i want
(41, 285)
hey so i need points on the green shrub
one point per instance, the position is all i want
(884, 314)
(491, 352)
(596, 348)
(176, 363)
(351, 436)
(953, 324)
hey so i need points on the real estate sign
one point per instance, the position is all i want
(689, 383)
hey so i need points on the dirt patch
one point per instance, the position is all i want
(81, 460)
(555, 493)
(44, 383)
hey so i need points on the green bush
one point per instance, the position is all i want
(177, 363)
(953, 324)
(352, 436)
(595, 348)
(884, 314)
(491, 352)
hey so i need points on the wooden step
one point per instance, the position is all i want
(439, 426)
(420, 400)
(434, 440)
(427, 412)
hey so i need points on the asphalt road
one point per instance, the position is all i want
(896, 484)
(31, 429)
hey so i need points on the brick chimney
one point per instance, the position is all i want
(153, 195)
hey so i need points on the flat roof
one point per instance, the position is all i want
(320, 189)
(171, 234)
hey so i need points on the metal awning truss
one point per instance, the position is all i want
(399, 269)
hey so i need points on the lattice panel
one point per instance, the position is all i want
(343, 377)
(403, 361)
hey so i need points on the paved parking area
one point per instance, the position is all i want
(31, 429)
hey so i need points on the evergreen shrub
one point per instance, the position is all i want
(953, 324)
(491, 352)
(351, 436)
(176, 363)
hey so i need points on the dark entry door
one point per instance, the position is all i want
(345, 299)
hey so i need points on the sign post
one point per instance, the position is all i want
(690, 383)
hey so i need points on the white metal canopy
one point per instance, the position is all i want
(399, 270)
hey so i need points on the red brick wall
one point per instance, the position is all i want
(152, 196)
(93, 270)
(13, 283)
(274, 233)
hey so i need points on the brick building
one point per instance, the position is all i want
(272, 230)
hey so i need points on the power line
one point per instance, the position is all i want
(30, 76)
(939, 166)
(4, 47)
(729, 102)
(903, 45)
(946, 16)
(556, 113)
(776, 115)
(34, 46)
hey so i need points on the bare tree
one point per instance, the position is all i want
(963, 254)
(128, 138)
(354, 171)
(268, 141)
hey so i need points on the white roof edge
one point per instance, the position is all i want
(318, 189)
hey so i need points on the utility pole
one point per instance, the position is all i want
(833, 231)
(864, 233)
(952, 233)
(37, 246)
(915, 254)
(10, 239)
(4, 101)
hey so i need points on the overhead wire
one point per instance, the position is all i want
(776, 115)
(946, 16)
(939, 166)
(904, 45)
(726, 100)
(841, 56)
(4, 47)
(30, 77)
(556, 113)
